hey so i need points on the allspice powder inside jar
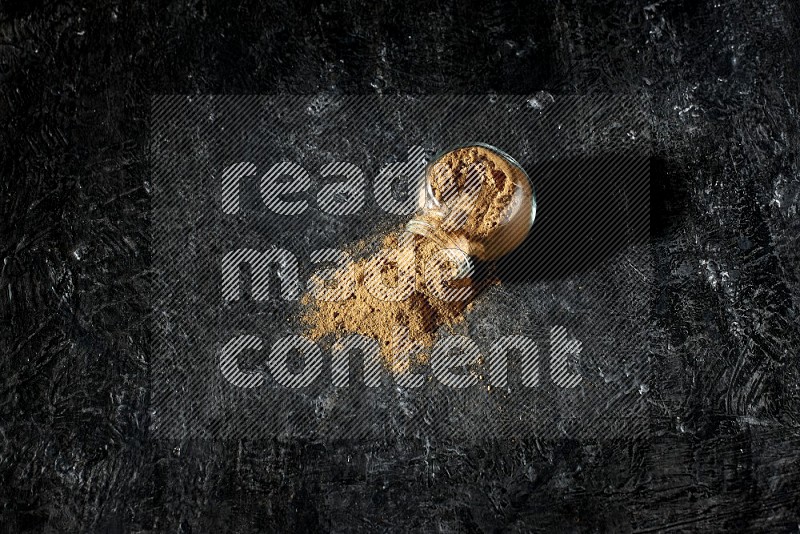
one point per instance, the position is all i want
(476, 202)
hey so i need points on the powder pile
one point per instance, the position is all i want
(423, 312)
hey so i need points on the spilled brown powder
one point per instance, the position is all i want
(422, 313)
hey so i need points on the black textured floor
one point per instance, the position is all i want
(723, 452)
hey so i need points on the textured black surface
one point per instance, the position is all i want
(75, 87)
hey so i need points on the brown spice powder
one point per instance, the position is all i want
(423, 313)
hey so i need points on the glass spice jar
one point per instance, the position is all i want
(476, 202)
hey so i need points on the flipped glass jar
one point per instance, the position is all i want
(476, 202)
